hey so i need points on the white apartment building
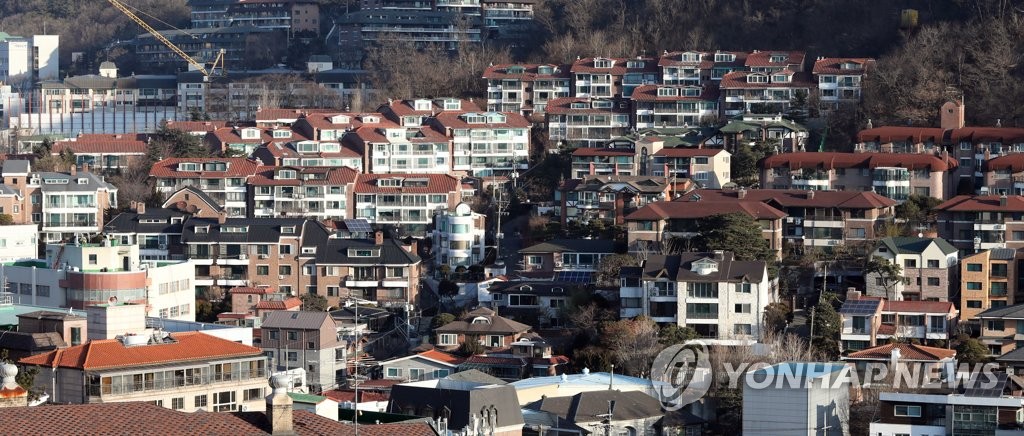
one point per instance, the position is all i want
(674, 106)
(407, 201)
(583, 122)
(458, 237)
(320, 192)
(772, 90)
(723, 299)
(487, 143)
(839, 79)
(525, 89)
(18, 242)
(30, 59)
(394, 149)
(223, 180)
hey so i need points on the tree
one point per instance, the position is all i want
(204, 311)
(889, 273)
(471, 346)
(671, 334)
(738, 233)
(314, 302)
(971, 351)
(918, 210)
(170, 142)
(608, 269)
(744, 165)
(442, 319)
(448, 289)
(777, 316)
(6, 219)
(633, 343)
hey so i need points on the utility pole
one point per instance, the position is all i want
(501, 204)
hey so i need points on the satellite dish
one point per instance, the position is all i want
(112, 301)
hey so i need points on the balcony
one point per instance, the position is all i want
(152, 385)
(701, 315)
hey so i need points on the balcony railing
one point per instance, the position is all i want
(99, 389)
(70, 223)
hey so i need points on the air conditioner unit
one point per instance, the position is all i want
(789, 219)
(263, 256)
(281, 277)
(243, 256)
(283, 256)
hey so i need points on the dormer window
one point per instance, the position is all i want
(602, 104)
(704, 266)
(421, 105)
(472, 118)
(370, 119)
(288, 230)
(56, 181)
(690, 57)
(286, 174)
(308, 250)
(635, 65)
(215, 166)
(202, 229)
(359, 252)
(515, 69)
(691, 92)
(667, 92)
(250, 133)
(341, 119)
(603, 63)
(83, 181)
(389, 182)
(757, 78)
(578, 105)
(282, 134)
(780, 78)
(495, 118)
(724, 57)
(188, 166)
(545, 69)
(481, 320)
(849, 66)
(777, 58)
(234, 229)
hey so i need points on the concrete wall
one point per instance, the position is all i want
(18, 242)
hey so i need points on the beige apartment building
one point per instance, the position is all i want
(988, 280)
(982, 222)
(894, 175)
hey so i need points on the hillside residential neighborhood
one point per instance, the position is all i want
(511, 218)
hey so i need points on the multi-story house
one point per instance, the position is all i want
(292, 16)
(718, 296)
(243, 140)
(657, 224)
(156, 231)
(900, 139)
(104, 153)
(689, 68)
(611, 77)
(413, 22)
(28, 60)
(1004, 175)
(608, 198)
(567, 260)
(978, 405)
(818, 218)
(187, 371)
(488, 143)
(839, 79)
(585, 121)
(775, 61)
(870, 321)
(392, 148)
(224, 180)
(309, 154)
(669, 106)
(982, 222)
(506, 19)
(927, 264)
(1000, 327)
(482, 325)
(63, 204)
(761, 90)
(988, 280)
(414, 113)
(611, 161)
(708, 167)
(774, 130)
(236, 41)
(545, 299)
(307, 340)
(18, 241)
(328, 126)
(426, 365)
(318, 192)
(816, 396)
(230, 252)
(894, 175)
(458, 237)
(382, 270)
(490, 408)
(524, 88)
(406, 201)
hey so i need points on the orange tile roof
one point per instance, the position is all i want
(689, 152)
(322, 121)
(336, 176)
(907, 352)
(982, 203)
(917, 306)
(601, 151)
(530, 72)
(453, 120)
(586, 65)
(738, 80)
(913, 135)
(343, 396)
(103, 143)
(649, 93)
(237, 167)
(287, 304)
(436, 184)
(833, 66)
(700, 209)
(111, 353)
(1005, 135)
(252, 290)
(671, 59)
(563, 105)
(196, 126)
(441, 356)
(799, 198)
(405, 107)
(763, 58)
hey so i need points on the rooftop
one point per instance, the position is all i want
(112, 353)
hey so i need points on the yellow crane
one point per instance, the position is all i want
(213, 69)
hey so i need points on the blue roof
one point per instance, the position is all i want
(591, 379)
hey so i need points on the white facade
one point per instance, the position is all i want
(401, 155)
(18, 242)
(458, 237)
(801, 399)
(29, 59)
(46, 62)
(484, 148)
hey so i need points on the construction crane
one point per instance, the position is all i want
(207, 72)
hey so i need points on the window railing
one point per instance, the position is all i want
(701, 315)
(100, 389)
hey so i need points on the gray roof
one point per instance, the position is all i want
(319, 58)
(302, 320)
(462, 403)
(49, 314)
(572, 245)
(1003, 253)
(260, 230)
(198, 193)
(587, 406)
(476, 376)
(339, 75)
(677, 267)
(32, 342)
(545, 288)
(15, 166)
(914, 245)
(1007, 312)
(391, 252)
(93, 182)
(495, 325)
(7, 190)
(1017, 355)
(91, 81)
(604, 183)
(131, 222)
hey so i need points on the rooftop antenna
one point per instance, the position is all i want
(611, 380)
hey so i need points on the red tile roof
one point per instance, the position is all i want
(601, 151)
(286, 304)
(278, 115)
(550, 361)
(586, 65)
(436, 184)
(700, 209)
(322, 121)
(913, 135)
(763, 58)
(336, 176)
(374, 134)
(237, 167)
(111, 353)
(738, 80)
(495, 360)
(907, 352)
(831, 160)
(405, 107)
(500, 71)
(982, 203)
(564, 106)
(1013, 162)
(252, 290)
(671, 59)
(441, 356)
(906, 306)
(102, 143)
(231, 135)
(649, 93)
(136, 418)
(454, 120)
(834, 66)
(1005, 135)
(799, 198)
(688, 152)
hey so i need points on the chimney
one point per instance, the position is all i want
(951, 115)
(1002, 200)
(140, 208)
(741, 193)
(870, 124)
(222, 218)
(279, 407)
(74, 170)
(413, 247)
(852, 294)
(810, 195)
(85, 167)
(378, 237)
(11, 394)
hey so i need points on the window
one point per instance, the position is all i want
(200, 400)
(933, 263)
(933, 281)
(293, 356)
(997, 325)
(93, 260)
(393, 373)
(742, 308)
(416, 373)
(76, 336)
(224, 401)
(910, 263)
(858, 233)
(973, 286)
(274, 334)
(285, 270)
(907, 410)
(974, 267)
(253, 394)
(263, 270)
(293, 336)
(448, 339)
(745, 288)
(974, 304)
(702, 290)
(741, 329)
(178, 403)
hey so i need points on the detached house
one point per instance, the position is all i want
(481, 325)
(382, 270)
(102, 152)
(839, 79)
(927, 263)
(568, 260)
(772, 91)
(1001, 328)
(608, 198)
(988, 280)
(611, 77)
(407, 201)
(870, 321)
(307, 340)
(668, 106)
(426, 365)
(320, 192)
(982, 222)
(487, 143)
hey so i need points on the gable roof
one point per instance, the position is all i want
(335, 251)
(982, 203)
(915, 245)
(133, 222)
(237, 167)
(111, 353)
(495, 324)
(464, 400)
(436, 184)
(102, 143)
(911, 352)
(913, 135)
(834, 66)
(476, 376)
(431, 355)
(678, 267)
(917, 306)
(572, 246)
(280, 305)
(298, 320)
(591, 406)
(1015, 311)
(800, 198)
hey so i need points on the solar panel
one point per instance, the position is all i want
(984, 385)
(575, 276)
(860, 307)
(357, 225)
